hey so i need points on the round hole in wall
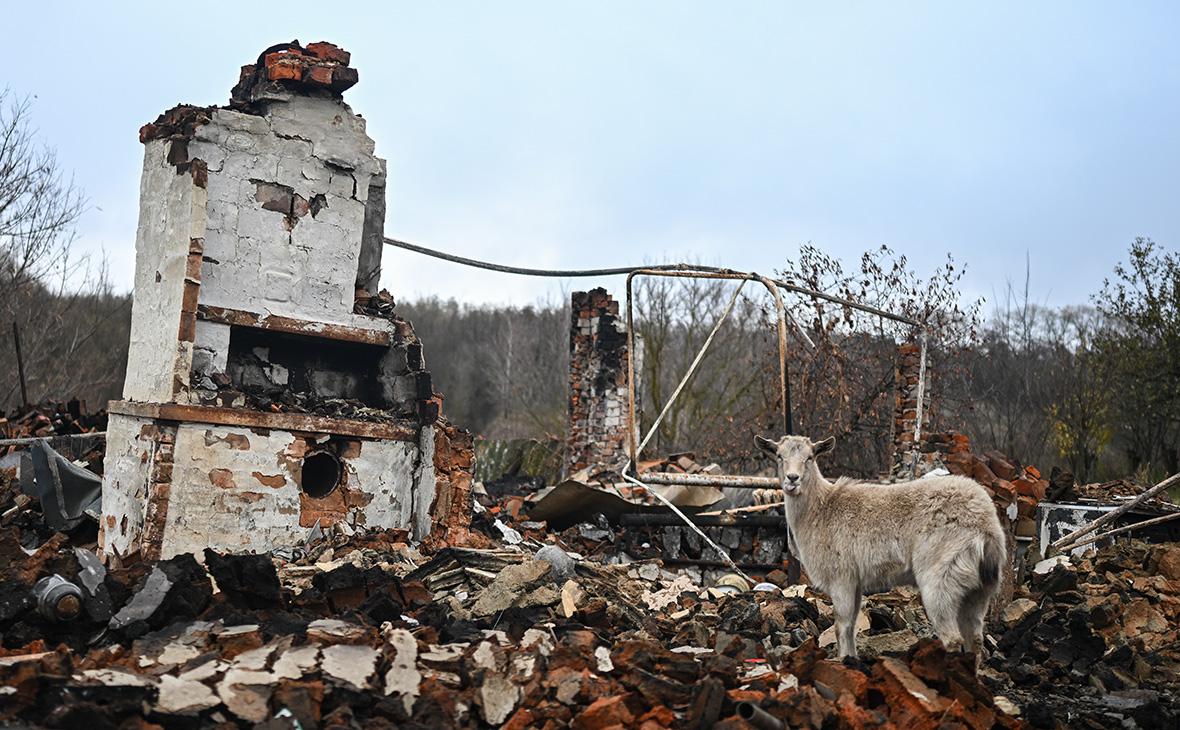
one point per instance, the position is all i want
(321, 472)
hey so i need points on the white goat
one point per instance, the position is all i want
(941, 534)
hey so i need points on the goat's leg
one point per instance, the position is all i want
(941, 597)
(846, 605)
(971, 614)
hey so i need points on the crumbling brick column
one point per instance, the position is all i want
(599, 360)
(907, 383)
(271, 387)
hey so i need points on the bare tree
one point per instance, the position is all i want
(73, 327)
(38, 207)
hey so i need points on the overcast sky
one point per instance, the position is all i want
(601, 134)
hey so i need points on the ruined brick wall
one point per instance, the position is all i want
(905, 411)
(597, 434)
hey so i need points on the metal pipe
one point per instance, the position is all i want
(29, 441)
(673, 269)
(758, 717)
(644, 519)
(680, 513)
(918, 410)
(709, 480)
(632, 424)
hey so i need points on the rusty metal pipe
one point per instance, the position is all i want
(758, 717)
(709, 480)
(644, 519)
(632, 424)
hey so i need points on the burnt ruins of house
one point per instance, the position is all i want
(908, 461)
(270, 387)
(599, 358)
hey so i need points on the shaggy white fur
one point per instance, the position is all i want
(940, 534)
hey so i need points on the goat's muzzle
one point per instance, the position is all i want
(791, 483)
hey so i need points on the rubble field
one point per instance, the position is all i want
(360, 628)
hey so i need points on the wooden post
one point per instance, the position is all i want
(20, 366)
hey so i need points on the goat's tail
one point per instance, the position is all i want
(993, 556)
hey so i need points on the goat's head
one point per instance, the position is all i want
(795, 457)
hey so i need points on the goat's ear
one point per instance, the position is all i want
(822, 447)
(766, 445)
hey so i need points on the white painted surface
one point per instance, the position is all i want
(248, 515)
(171, 211)
(424, 485)
(210, 348)
(255, 259)
(126, 469)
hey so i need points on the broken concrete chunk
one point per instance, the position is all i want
(403, 678)
(602, 659)
(334, 631)
(350, 664)
(498, 698)
(184, 696)
(571, 595)
(521, 585)
(177, 653)
(1016, 610)
(248, 702)
(116, 678)
(296, 662)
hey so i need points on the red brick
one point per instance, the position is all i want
(285, 69)
(982, 474)
(911, 703)
(319, 74)
(603, 713)
(329, 52)
(842, 679)
(1004, 490)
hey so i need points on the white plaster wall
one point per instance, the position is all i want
(171, 212)
(245, 515)
(424, 485)
(210, 348)
(126, 469)
(254, 259)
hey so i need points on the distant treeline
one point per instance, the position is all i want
(1094, 388)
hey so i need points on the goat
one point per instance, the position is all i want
(940, 534)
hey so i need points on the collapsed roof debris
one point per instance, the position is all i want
(366, 628)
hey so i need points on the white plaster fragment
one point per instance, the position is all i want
(350, 663)
(403, 677)
(498, 698)
(296, 662)
(184, 696)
